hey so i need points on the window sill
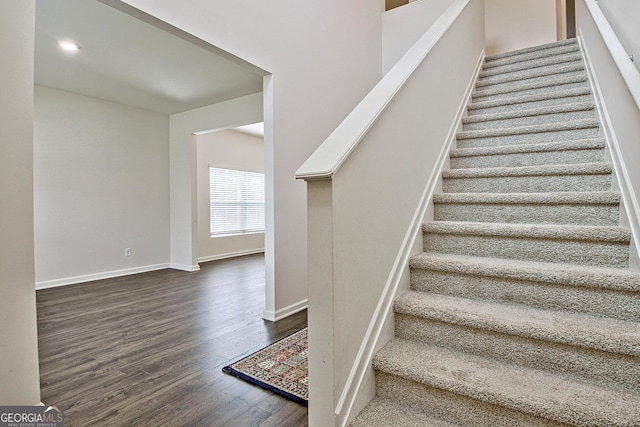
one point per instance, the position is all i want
(215, 236)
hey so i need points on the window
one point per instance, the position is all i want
(236, 201)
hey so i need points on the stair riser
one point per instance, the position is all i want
(522, 70)
(451, 407)
(528, 159)
(599, 302)
(529, 138)
(545, 53)
(530, 120)
(476, 109)
(596, 253)
(509, 83)
(528, 184)
(591, 365)
(605, 215)
(479, 96)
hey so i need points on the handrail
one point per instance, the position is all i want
(629, 72)
(333, 152)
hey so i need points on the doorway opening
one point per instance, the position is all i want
(179, 106)
(230, 183)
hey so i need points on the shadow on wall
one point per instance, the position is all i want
(392, 4)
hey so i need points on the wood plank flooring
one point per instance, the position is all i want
(148, 349)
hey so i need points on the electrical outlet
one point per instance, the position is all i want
(127, 251)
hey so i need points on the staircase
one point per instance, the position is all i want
(522, 309)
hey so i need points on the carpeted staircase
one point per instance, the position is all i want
(522, 309)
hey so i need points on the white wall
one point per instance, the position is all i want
(516, 24)
(624, 18)
(101, 184)
(324, 56)
(403, 26)
(19, 374)
(233, 150)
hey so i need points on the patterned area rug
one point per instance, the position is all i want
(280, 367)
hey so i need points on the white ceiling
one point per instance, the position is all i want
(128, 61)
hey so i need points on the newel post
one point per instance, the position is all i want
(322, 389)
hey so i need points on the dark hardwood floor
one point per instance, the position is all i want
(148, 349)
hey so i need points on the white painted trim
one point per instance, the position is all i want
(620, 56)
(286, 311)
(332, 153)
(98, 276)
(630, 202)
(385, 303)
(231, 255)
(182, 267)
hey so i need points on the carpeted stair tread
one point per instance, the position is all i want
(536, 392)
(597, 291)
(530, 76)
(585, 144)
(531, 154)
(549, 84)
(577, 208)
(541, 116)
(597, 168)
(524, 51)
(491, 62)
(550, 61)
(546, 69)
(578, 177)
(581, 198)
(540, 111)
(610, 369)
(576, 329)
(387, 413)
(604, 246)
(525, 130)
(526, 101)
(546, 272)
(532, 231)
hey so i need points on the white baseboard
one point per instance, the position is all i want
(230, 255)
(183, 267)
(98, 276)
(285, 312)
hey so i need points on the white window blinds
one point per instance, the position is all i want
(236, 201)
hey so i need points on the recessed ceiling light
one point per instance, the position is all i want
(69, 45)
